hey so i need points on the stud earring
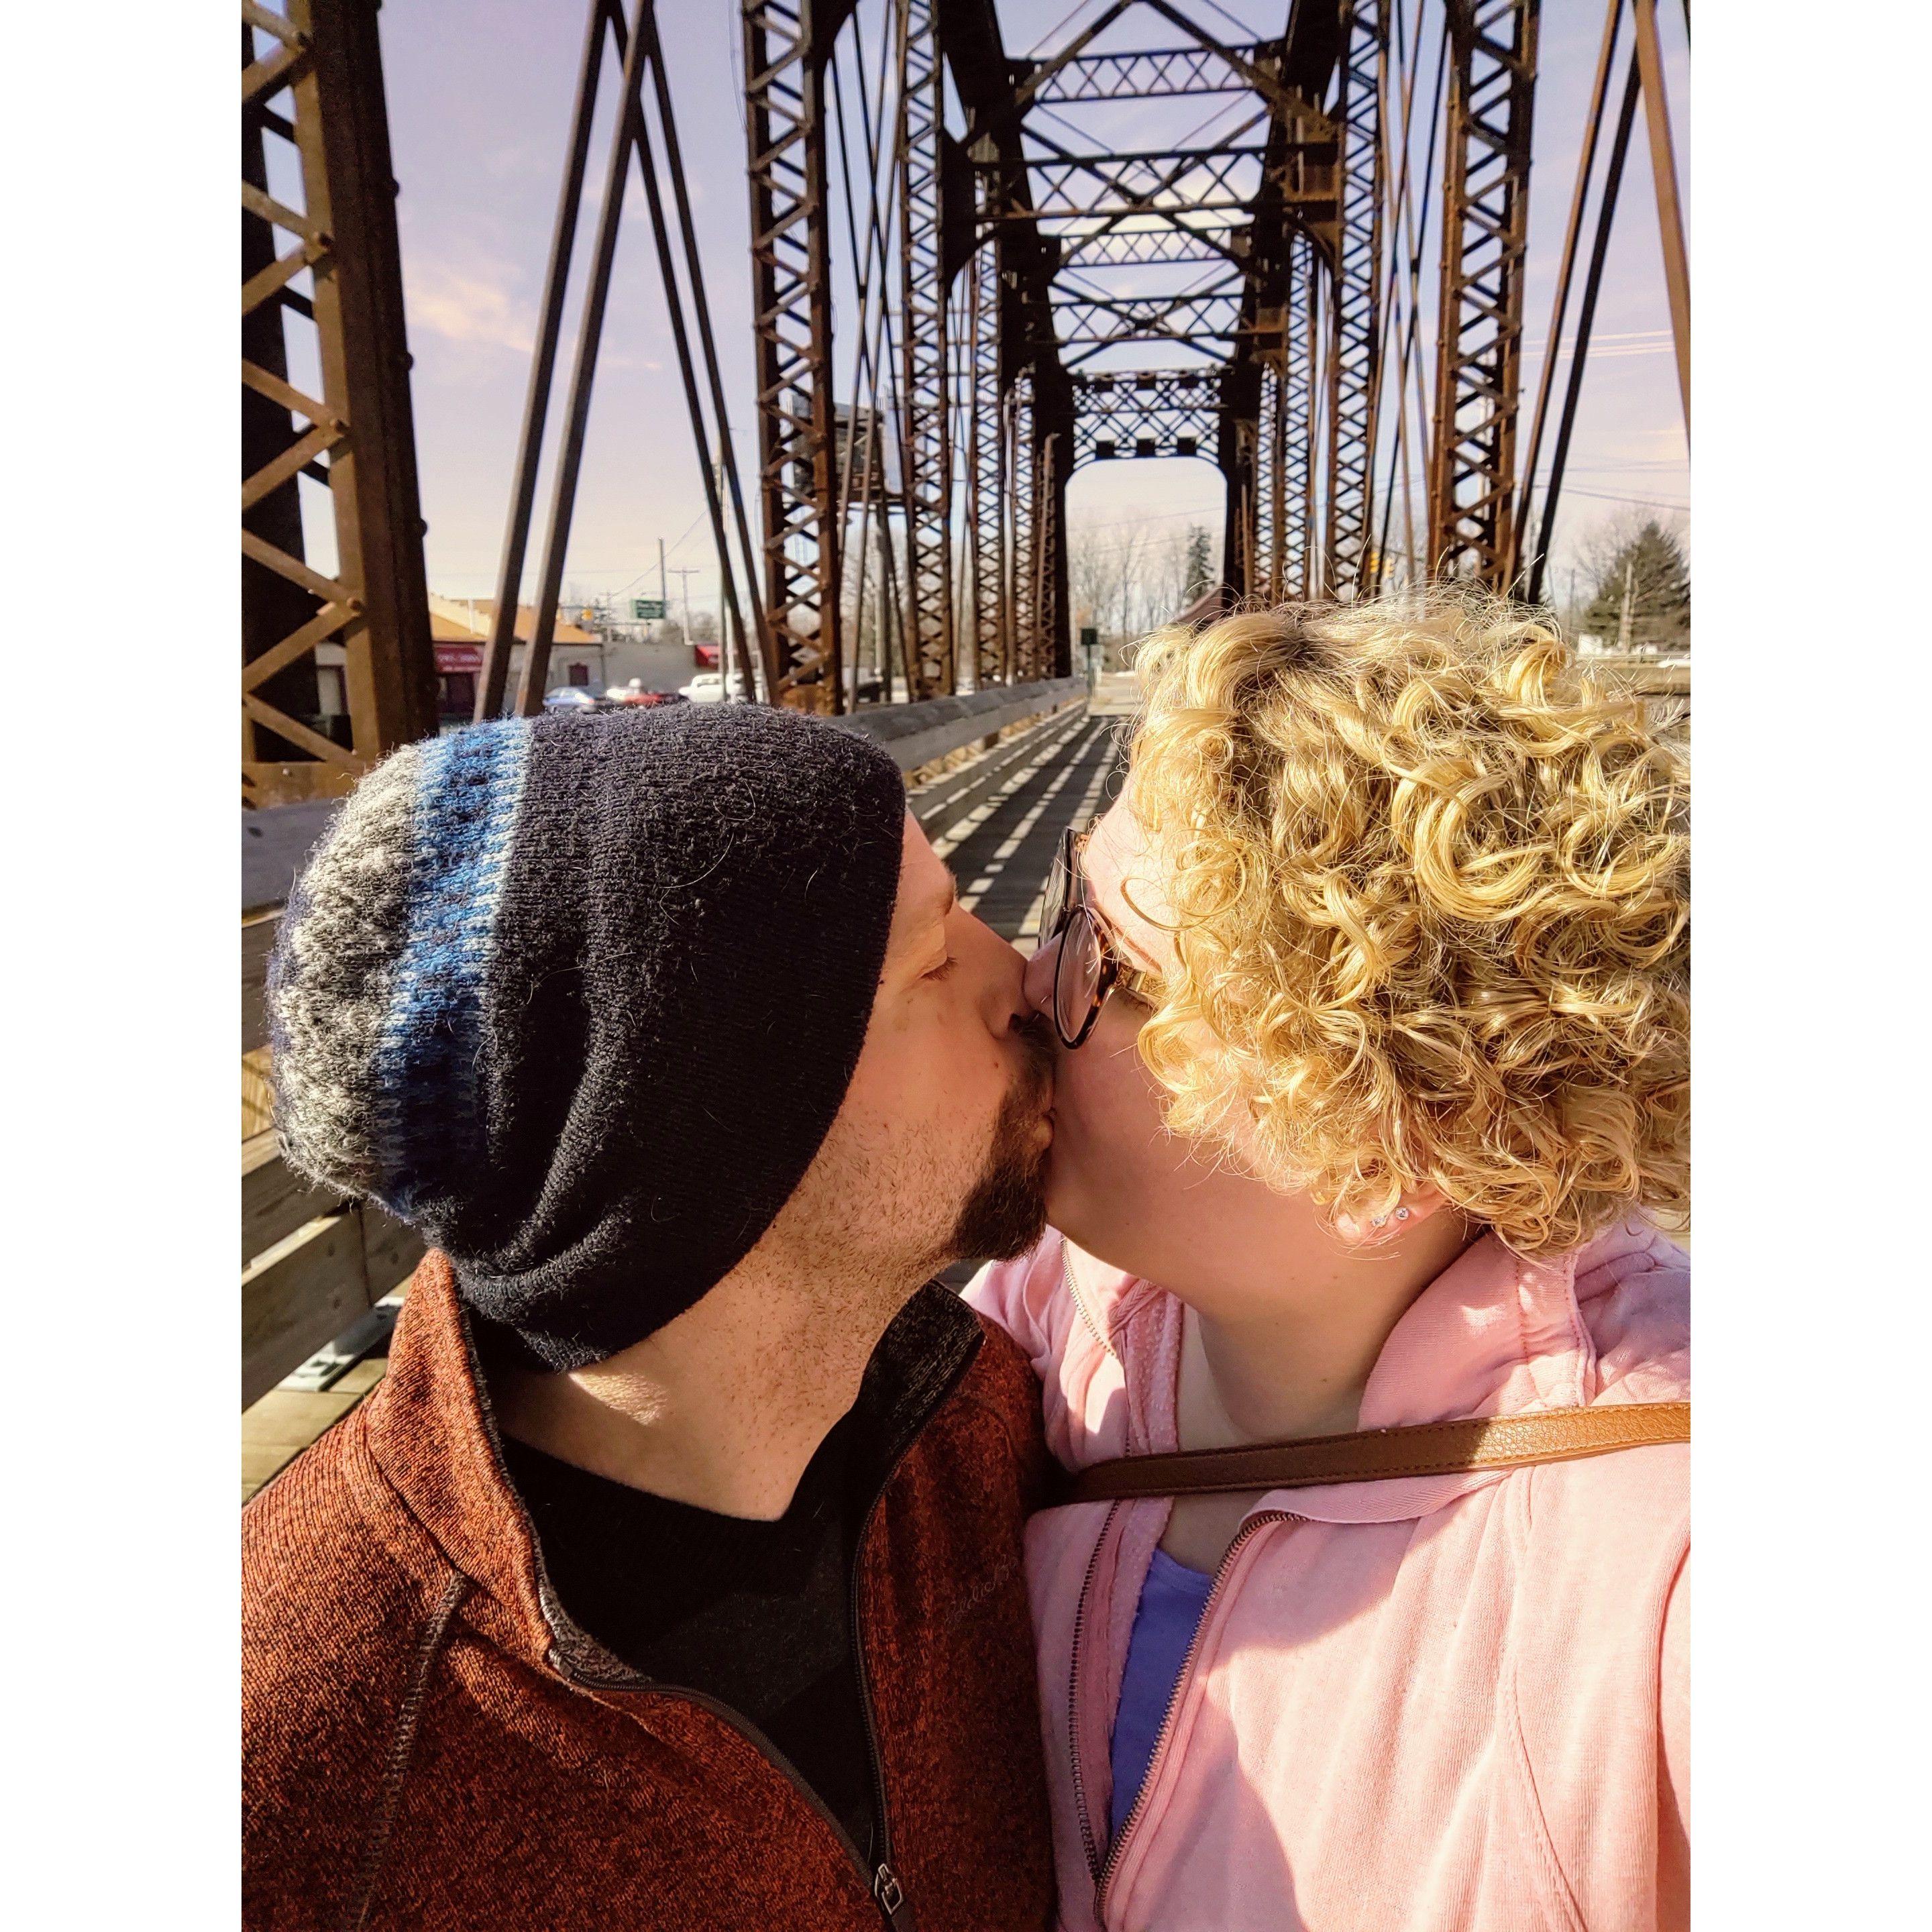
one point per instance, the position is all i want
(1378, 1220)
(1401, 1213)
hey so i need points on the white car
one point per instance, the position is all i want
(708, 687)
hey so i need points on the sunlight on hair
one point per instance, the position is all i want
(1431, 885)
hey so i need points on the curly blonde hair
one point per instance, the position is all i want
(1429, 884)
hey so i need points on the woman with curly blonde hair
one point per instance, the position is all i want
(1372, 992)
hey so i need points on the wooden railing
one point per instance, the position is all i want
(313, 1264)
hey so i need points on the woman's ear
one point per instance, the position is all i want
(1414, 1207)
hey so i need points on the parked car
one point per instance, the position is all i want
(571, 697)
(634, 693)
(708, 687)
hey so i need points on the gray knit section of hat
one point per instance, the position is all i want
(331, 980)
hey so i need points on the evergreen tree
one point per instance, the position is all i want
(1200, 571)
(1649, 571)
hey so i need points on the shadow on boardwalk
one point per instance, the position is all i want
(1002, 863)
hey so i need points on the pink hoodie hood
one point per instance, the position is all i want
(1431, 1701)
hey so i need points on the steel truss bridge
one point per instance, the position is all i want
(1148, 239)
(1025, 280)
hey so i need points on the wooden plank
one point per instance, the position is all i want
(258, 941)
(276, 841)
(390, 1250)
(279, 1427)
(302, 1292)
(269, 786)
(948, 800)
(276, 1200)
(258, 1101)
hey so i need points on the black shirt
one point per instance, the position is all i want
(757, 1615)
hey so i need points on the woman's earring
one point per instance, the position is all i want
(1401, 1213)
(1378, 1221)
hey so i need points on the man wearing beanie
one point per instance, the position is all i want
(671, 1576)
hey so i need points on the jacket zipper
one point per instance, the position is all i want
(1087, 1838)
(1080, 1300)
(888, 1893)
(1103, 1872)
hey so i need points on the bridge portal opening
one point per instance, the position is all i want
(1145, 536)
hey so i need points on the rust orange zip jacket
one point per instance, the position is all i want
(430, 1742)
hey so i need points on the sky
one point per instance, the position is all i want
(479, 99)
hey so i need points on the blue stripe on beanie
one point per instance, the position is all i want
(468, 788)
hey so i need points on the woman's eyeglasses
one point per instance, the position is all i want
(1085, 963)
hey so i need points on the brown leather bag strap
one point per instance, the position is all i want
(1374, 1455)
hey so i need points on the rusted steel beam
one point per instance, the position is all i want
(1356, 308)
(1559, 310)
(604, 18)
(1146, 413)
(1586, 317)
(1022, 542)
(637, 48)
(1240, 400)
(1157, 73)
(1486, 211)
(329, 67)
(787, 44)
(534, 675)
(1271, 496)
(986, 479)
(924, 415)
(1669, 209)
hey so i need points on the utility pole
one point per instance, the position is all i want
(664, 595)
(684, 573)
(1624, 622)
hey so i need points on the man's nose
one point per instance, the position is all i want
(1001, 974)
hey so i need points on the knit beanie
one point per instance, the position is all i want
(578, 998)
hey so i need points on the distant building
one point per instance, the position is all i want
(459, 627)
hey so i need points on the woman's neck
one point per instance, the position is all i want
(1284, 1348)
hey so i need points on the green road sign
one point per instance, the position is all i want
(647, 607)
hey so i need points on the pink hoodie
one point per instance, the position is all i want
(1427, 1704)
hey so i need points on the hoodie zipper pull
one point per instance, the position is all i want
(891, 1898)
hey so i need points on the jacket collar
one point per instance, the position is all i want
(433, 1432)
(1493, 1334)
(432, 1429)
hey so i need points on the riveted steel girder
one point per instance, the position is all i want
(986, 478)
(313, 77)
(1356, 305)
(924, 355)
(1472, 505)
(787, 43)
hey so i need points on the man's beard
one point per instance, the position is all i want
(1006, 1212)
